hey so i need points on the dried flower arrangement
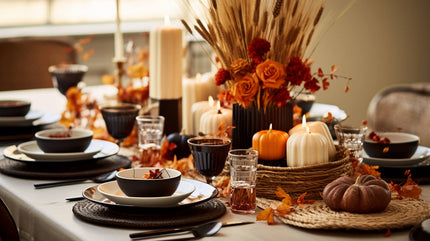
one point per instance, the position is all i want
(261, 46)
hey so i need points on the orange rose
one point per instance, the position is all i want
(245, 89)
(271, 73)
(240, 67)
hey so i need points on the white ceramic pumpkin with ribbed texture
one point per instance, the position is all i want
(305, 149)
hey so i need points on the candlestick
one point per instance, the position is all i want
(119, 44)
(119, 70)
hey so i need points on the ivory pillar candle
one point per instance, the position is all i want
(165, 74)
(165, 62)
(304, 149)
(212, 119)
(197, 110)
(195, 90)
(119, 42)
(316, 127)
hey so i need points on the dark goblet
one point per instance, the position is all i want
(65, 76)
(120, 119)
(209, 155)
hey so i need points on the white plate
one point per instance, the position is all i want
(420, 155)
(319, 110)
(26, 120)
(202, 193)
(112, 191)
(101, 148)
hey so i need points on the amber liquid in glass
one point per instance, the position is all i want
(243, 199)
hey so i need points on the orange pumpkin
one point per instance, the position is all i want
(270, 144)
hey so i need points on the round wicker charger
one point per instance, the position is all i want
(297, 180)
(399, 214)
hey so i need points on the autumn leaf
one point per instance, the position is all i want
(320, 73)
(281, 193)
(346, 89)
(325, 83)
(301, 200)
(283, 209)
(266, 214)
(409, 189)
(388, 233)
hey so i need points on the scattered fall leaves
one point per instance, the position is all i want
(286, 206)
(409, 189)
(363, 169)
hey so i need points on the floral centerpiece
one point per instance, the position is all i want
(261, 47)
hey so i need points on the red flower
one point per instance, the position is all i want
(257, 48)
(281, 97)
(222, 76)
(312, 85)
(297, 72)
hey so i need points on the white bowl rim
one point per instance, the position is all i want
(390, 135)
(81, 133)
(121, 173)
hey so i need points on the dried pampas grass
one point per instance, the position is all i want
(230, 25)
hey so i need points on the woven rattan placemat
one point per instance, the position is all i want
(399, 214)
(148, 218)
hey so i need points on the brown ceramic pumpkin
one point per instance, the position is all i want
(366, 194)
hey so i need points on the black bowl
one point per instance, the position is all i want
(67, 75)
(14, 107)
(132, 183)
(402, 145)
(61, 140)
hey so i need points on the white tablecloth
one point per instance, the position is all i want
(44, 214)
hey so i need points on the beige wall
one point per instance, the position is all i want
(377, 43)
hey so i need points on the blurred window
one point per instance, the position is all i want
(17, 13)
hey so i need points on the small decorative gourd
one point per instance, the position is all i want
(316, 127)
(304, 149)
(365, 194)
(180, 140)
(270, 144)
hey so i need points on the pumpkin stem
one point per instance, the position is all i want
(358, 181)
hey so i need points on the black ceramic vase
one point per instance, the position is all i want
(248, 121)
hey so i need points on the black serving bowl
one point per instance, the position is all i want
(65, 76)
(14, 107)
(61, 140)
(132, 182)
(401, 145)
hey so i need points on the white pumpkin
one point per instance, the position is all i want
(211, 120)
(317, 127)
(304, 149)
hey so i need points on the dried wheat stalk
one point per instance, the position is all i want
(228, 26)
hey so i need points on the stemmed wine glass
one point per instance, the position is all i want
(209, 155)
(120, 120)
(65, 76)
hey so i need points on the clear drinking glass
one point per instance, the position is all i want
(243, 177)
(351, 138)
(150, 131)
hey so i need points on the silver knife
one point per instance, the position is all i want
(177, 230)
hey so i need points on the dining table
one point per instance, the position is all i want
(45, 214)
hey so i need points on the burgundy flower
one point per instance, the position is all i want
(297, 72)
(312, 85)
(281, 96)
(222, 76)
(257, 48)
